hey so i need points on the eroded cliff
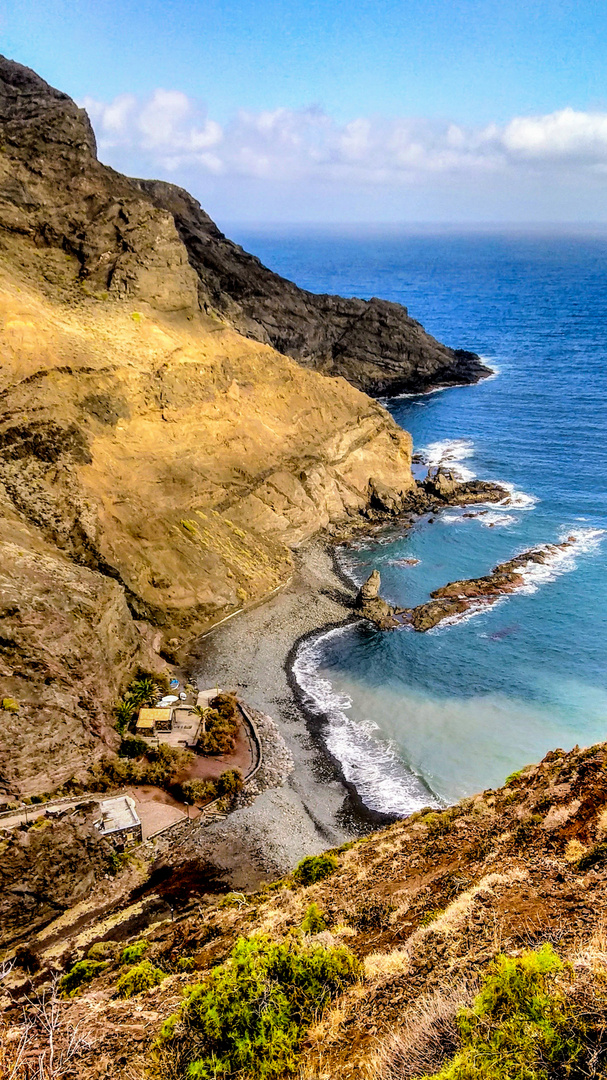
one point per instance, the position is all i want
(156, 465)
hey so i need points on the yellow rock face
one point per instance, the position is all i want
(152, 465)
(175, 454)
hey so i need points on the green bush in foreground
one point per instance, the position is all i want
(519, 1026)
(141, 977)
(314, 868)
(133, 953)
(249, 1016)
(313, 921)
(79, 975)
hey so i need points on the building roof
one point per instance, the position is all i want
(117, 814)
(154, 715)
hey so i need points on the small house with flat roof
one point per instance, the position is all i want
(150, 721)
(119, 822)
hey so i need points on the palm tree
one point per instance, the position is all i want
(123, 711)
(201, 712)
(144, 691)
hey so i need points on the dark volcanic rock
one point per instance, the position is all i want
(55, 191)
(149, 239)
(374, 344)
(459, 596)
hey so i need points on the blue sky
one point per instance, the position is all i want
(375, 110)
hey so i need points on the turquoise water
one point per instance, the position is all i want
(421, 717)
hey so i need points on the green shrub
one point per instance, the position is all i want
(79, 975)
(197, 792)
(519, 1026)
(103, 950)
(185, 963)
(132, 748)
(314, 868)
(226, 705)
(313, 921)
(160, 766)
(139, 978)
(219, 732)
(10, 705)
(513, 777)
(133, 953)
(117, 860)
(249, 1016)
(230, 782)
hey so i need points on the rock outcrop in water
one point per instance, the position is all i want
(458, 597)
(371, 605)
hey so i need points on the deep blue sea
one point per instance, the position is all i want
(417, 718)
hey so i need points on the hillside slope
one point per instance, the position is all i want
(155, 464)
(503, 893)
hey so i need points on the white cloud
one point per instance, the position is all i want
(168, 127)
(564, 135)
(171, 131)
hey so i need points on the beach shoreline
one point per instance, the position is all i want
(254, 655)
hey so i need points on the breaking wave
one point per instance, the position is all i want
(374, 767)
(558, 561)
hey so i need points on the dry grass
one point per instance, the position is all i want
(601, 825)
(574, 850)
(427, 1039)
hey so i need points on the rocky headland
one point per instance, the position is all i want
(458, 597)
(374, 344)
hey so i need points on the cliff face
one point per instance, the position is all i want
(67, 643)
(150, 240)
(55, 192)
(374, 344)
(503, 893)
(156, 464)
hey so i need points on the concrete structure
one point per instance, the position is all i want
(150, 721)
(119, 821)
(205, 696)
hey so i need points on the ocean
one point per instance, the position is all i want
(422, 719)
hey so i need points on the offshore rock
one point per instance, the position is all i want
(371, 606)
(457, 597)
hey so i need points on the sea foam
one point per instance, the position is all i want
(373, 766)
(558, 561)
